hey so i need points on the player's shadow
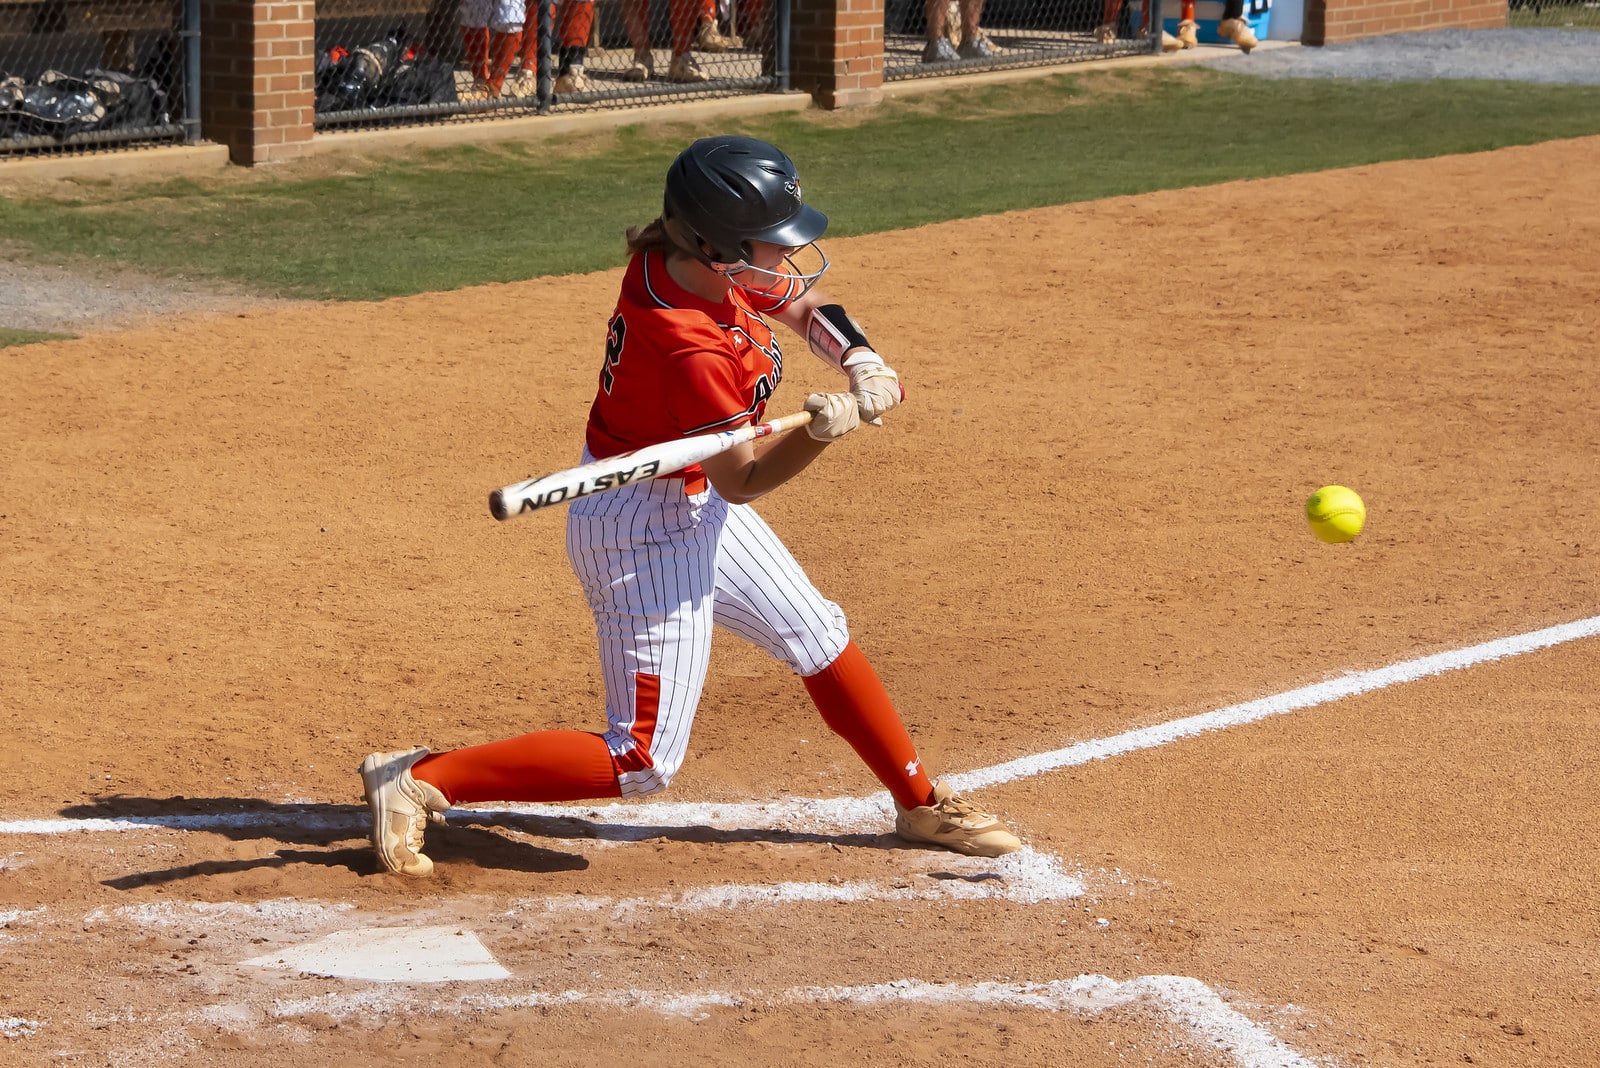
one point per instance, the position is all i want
(325, 829)
(467, 836)
(578, 827)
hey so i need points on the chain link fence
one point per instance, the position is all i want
(1557, 14)
(925, 38)
(381, 62)
(101, 74)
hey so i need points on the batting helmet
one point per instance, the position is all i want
(729, 191)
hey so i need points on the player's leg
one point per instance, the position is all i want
(684, 16)
(764, 596)
(646, 559)
(648, 572)
(475, 16)
(709, 38)
(974, 45)
(636, 19)
(577, 22)
(938, 49)
(1188, 29)
(1234, 28)
(505, 41)
(525, 82)
(1110, 13)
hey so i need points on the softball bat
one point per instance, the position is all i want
(614, 472)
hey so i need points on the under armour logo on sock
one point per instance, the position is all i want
(912, 766)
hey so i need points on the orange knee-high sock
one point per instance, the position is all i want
(856, 707)
(542, 766)
(1186, 11)
(475, 48)
(577, 20)
(1111, 12)
(684, 16)
(503, 49)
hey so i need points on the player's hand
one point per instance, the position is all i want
(833, 415)
(874, 384)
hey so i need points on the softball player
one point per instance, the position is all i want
(689, 351)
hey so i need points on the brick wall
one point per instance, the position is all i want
(257, 77)
(1331, 21)
(836, 51)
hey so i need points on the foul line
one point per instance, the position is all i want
(832, 816)
(1181, 999)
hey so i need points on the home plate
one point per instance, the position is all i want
(391, 955)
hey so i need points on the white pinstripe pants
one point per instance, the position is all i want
(661, 569)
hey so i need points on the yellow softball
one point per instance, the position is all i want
(1335, 513)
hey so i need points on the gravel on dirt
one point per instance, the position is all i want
(1567, 57)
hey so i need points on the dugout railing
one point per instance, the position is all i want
(97, 74)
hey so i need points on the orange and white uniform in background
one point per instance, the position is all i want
(491, 37)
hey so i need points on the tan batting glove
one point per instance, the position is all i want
(875, 385)
(833, 415)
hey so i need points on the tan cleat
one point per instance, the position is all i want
(401, 807)
(1189, 33)
(643, 69)
(523, 83)
(685, 70)
(574, 81)
(1169, 43)
(1105, 34)
(710, 39)
(955, 823)
(1238, 31)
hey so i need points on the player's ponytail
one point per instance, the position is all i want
(649, 238)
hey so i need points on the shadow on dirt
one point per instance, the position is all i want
(244, 819)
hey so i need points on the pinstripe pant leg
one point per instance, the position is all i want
(646, 557)
(764, 596)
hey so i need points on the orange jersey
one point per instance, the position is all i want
(677, 364)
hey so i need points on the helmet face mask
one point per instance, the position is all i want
(723, 193)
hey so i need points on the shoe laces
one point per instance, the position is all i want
(958, 811)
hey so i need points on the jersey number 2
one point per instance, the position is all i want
(614, 338)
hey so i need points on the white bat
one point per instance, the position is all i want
(614, 472)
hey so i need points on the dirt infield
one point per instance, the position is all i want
(243, 551)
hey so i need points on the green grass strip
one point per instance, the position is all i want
(10, 336)
(445, 218)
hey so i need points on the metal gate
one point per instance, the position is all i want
(95, 74)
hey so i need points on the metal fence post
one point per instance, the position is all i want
(780, 46)
(191, 70)
(547, 32)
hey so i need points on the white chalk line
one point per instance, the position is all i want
(848, 815)
(1186, 1001)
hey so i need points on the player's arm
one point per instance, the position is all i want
(743, 474)
(838, 340)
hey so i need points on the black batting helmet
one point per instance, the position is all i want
(728, 191)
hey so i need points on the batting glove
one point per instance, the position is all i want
(833, 415)
(875, 385)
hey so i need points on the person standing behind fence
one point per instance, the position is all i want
(974, 43)
(491, 36)
(687, 17)
(574, 25)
